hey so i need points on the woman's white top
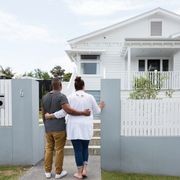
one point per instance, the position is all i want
(80, 127)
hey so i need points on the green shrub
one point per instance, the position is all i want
(147, 87)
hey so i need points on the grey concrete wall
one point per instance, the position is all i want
(150, 155)
(25, 138)
(37, 135)
(41, 142)
(6, 143)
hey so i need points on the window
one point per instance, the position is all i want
(141, 65)
(89, 68)
(90, 64)
(165, 65)
(156, 28)
(153, 64)
(90, 57)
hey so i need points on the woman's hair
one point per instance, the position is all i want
(79, 83)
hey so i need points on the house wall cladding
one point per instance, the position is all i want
(137, 29)
(113, 64)
(177, 61)
(133, 154)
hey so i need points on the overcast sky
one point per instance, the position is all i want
(34, 33)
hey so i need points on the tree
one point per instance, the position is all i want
(46, 76)
(67, 77)
(7, 72)
(39, 74)
(29, 74)
(57, 71)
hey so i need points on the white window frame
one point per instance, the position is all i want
(148, 58)
(97, 61)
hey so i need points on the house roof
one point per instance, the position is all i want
(123, 23)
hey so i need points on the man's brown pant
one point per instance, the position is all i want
(55, 140)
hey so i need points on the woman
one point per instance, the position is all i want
(80, 128)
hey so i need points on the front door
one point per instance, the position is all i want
(153, 64)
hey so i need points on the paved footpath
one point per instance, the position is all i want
(94, 170)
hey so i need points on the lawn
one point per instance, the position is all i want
(11, 172)
(123, 176)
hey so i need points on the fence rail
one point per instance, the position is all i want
(150, 117)
(171, 79)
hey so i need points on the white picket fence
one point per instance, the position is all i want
(171, 79)
(150, 117)
(6, 103)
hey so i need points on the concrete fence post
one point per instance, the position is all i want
(23, 142)
(110, 125)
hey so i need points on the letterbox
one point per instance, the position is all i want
(2, 101)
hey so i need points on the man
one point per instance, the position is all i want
(56, 128)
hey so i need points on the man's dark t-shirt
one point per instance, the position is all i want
(51, 103)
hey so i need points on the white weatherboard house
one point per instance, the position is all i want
(141, 44)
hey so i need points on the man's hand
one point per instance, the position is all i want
(67, 108)
(49, 116)
(86, 112)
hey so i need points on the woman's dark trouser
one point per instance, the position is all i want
(81, 151)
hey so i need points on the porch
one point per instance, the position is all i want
(154, 58)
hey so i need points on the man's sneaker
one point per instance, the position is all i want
(63, 173)
(48, 175)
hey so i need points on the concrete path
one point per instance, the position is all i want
(94, 171)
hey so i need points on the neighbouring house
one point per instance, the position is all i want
(131, 48)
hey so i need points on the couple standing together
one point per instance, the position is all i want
(78, 109)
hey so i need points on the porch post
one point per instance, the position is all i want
(129, 68)
(78, 63)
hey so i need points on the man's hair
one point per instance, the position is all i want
(56, 83)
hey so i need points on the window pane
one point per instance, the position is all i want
(141, 65)
(165, 65)
(153, 64)
(156, 28)
(90, 56)
(89, 68)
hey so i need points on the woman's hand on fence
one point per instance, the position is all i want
(101, 105)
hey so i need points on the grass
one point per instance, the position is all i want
(125, 176)
(11, 172)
